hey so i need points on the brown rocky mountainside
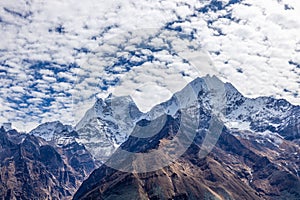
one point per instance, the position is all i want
(238, 167)
(31, 168)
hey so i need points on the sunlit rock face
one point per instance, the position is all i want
(33, 168)
(110, 121)
(256, 151)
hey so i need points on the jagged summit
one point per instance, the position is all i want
(111, 120)
(108, 108)
(256, 152)
(107, 124)
(55, 132)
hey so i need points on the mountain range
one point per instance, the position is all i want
(235, 148)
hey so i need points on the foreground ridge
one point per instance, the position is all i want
(257, 155)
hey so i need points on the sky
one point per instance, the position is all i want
(57, 56)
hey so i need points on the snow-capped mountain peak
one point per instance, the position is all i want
(107, 124)
(55, 132)
(110, 121)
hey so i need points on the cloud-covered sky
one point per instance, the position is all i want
(55, 56)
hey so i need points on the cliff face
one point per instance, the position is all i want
(237, 168)
(31, 168)
(256, 155)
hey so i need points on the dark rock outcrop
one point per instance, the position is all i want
(31, 168)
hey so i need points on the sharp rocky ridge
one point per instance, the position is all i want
(110, 121)
(257, 155)
(266, 126)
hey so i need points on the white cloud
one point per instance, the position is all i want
(250, 44)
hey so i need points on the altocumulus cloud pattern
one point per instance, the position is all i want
(52, 51)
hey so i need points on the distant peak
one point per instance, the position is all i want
(48, 130)
(50, 124)
(206, 79)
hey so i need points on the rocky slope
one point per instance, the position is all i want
(32, 168)
(235, 169)
(55, 133)
(110, 121)
(107, 125)
(257, 154)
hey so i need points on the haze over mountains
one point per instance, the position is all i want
(256, 156)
